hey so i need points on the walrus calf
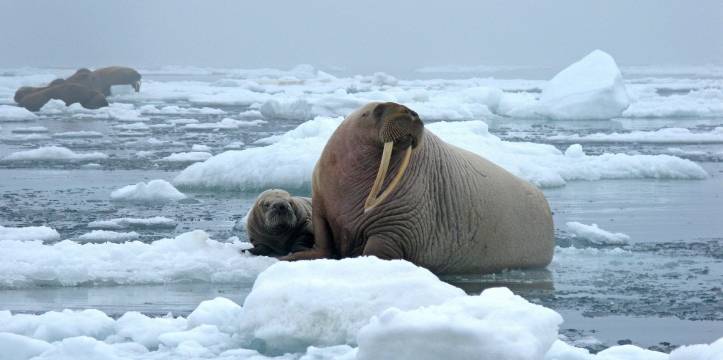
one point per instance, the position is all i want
(34, 99)
(445, 209)
(279, 224)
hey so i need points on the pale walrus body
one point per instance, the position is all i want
(449, 210)
(279, 224)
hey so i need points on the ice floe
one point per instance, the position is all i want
(156, 222)
(42, 233)
(542, 164)
(226, 123)
(389, 309)
(191, 256)
(596, 235)
(15, 113)
(193, 156)
(78, 134)
(155, 191)
(345, 294)
(665, 135)
(29, 130)
(53, 153)
(100, 236)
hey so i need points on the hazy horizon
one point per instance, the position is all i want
(359, 37)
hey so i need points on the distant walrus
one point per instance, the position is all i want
(279, 224)
(102, 79)
(446, 209)
(67, 92)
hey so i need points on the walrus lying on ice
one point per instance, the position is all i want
(445, 209)
(81, 87)
(279, 224)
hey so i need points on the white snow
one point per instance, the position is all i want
(156, 222)
(596, 235)
(496, 323)
(591, 88)
(665, 135)
(154, 191)
(391, 309)
(325, 302)
(53, 153)
(42, 233)
(192, 156)
(191, 256)
(100, 236)
(15, 113)
(542, 164)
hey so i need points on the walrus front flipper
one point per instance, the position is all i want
(260, 250)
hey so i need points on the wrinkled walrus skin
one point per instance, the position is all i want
(279, 224)
(67, 92)
(451, 211)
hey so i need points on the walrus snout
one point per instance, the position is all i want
(400, 126)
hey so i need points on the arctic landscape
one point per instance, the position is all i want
(121, 228)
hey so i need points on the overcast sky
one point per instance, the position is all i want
(358, 35)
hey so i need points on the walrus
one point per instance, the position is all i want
(279, 224)
(445, 209)
(116, 75)
(69, 93)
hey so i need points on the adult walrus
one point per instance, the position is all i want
(446, 209)
(279, 224)
(69, 93)
(102, 79)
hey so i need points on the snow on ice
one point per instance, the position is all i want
(155, 191)
(389, 309)
(53, 153)
(42, 233)
(596, 235)
(544, 165)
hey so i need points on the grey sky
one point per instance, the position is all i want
(359, 36)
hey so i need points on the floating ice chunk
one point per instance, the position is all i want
(188, 257)
(496, 323)
(250, 114)
(591, 88)
(193, 156)
(154, 191)
(295, 110)
(15, 113)
(100, 236)
(53, 325)
(78, 134)
(177, 110)
(42, 233)
(138, 126)
(29, 130)
(182, 121)
(337, 298)
(665, 135)
(596, 235)
(713, 351)
(88, 348)
(200, 147)
(208, 336)
(630, 352)
(156, 222)
(53, 153)
(24, 138)
(695, 104)
(249, 168)
(146, 330)
(18, 347)
(236, 145)
(220, 312)
(542, 164)
(226, 123)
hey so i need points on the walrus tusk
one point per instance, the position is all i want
(381, 174)
(373, 202)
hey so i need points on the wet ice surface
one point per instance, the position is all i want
(663, 286)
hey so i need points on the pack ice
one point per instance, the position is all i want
(362, 308)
